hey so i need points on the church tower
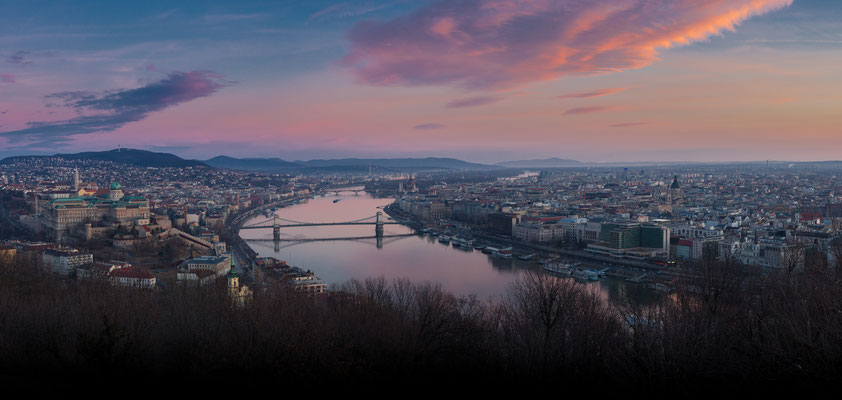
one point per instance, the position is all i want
(233, 278)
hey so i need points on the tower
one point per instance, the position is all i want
(115, 192)
(675, 190)
(378, 227)
(76, 179)
(233, 278)
(276, 228)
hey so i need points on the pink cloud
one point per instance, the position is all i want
(628, 124)
(587, 110)
(595, 93)
(427, 127)
(473, 101)
(7, 78)
(503, 43)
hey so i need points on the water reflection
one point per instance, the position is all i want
(417, 257)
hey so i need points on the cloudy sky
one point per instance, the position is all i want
(482, 80)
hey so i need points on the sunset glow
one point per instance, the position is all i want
(481, 80)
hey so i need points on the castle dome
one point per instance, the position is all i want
(116, 186)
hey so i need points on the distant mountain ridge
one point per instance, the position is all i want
(258, 164)
(349, 164)
(428, 162)
(135, 157)
(553, 162)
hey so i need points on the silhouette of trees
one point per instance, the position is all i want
(725, 323)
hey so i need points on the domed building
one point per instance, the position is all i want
(115, 192)
(61, 216)
(675, 190)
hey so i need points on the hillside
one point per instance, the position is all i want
(138, 158)
(259, 164)
(542, 163)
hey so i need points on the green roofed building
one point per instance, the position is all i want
(62, 215)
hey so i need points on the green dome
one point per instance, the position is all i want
(115, 186)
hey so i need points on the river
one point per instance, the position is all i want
(418, 258)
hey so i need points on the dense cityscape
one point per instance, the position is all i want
(635, 197)
(165, 230)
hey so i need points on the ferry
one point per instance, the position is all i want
(586, 274)
(444, 239)
(558, 269)
(526, 257)
(490, 250)
(462, 244)
(504, 253)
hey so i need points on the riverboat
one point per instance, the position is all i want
(558, 269)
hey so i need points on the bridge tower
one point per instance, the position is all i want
(276, 228)
(378, 227)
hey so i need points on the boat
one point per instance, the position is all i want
(558, 269)
(444, 239)
(337, 201)
(490, 250)
(526, 257)
(580, 274)
(504, 253)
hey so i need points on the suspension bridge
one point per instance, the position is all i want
(277, 223)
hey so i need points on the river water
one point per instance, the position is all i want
(418, 258)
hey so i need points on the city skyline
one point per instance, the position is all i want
(483, 81)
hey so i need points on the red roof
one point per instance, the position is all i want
(131, 272)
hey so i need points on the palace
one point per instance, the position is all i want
(62, 216)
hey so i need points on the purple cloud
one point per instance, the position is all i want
(427, 127)
(480, 44)
(7, 78)
(587, 110)
(628, 124)
(19, 57)
(108, 111)
(595, 93)
(473, 101)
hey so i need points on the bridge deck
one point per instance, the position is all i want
(328, 239)
(320, 224)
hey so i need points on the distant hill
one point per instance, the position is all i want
(138, 158)
(400, 163)
(255, 164)
(542, 163)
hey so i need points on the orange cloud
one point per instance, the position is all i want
(588, 110)
(484, 44)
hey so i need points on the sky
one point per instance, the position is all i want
(481, 80)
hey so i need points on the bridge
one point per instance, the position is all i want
(337, 191)
(275, 223)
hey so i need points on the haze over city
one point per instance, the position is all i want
(483, 80)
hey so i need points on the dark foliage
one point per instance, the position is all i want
(724, 325)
